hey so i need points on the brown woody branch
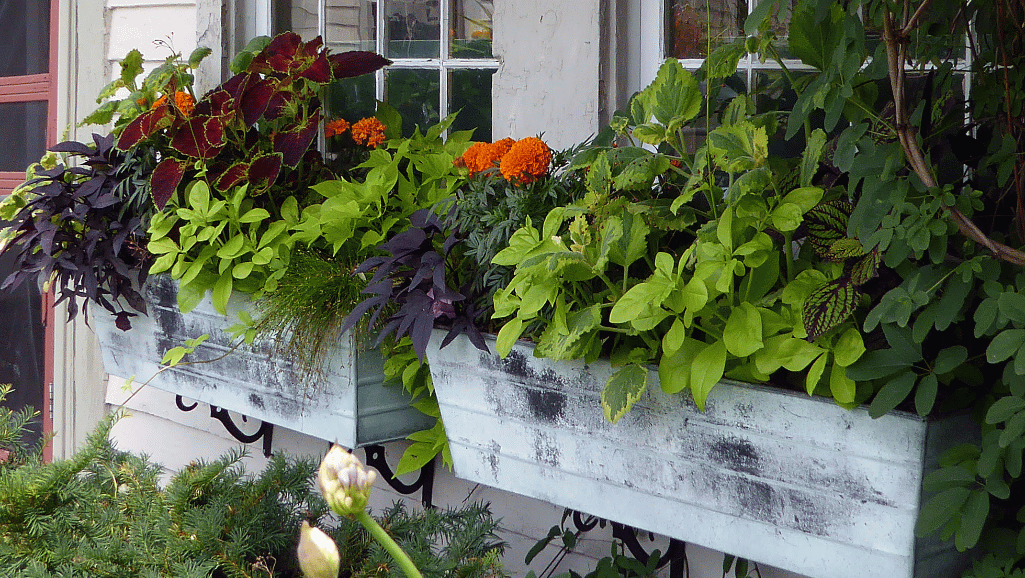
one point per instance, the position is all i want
(896, 39)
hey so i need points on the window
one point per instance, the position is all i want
(441, 51)
(27, 125)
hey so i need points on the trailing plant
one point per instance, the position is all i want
(77, 227)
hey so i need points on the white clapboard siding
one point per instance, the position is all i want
(776, 477)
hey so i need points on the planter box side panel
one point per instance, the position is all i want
(814, 482)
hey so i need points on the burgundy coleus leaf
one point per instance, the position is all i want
(263, 171)
(165, 179)
(256, 99)
(277, 104)
(230, 176)
(293, 141)
(217, 103)
(278, 56)
(318, 71)
(201, 137)
(356, 63)
(144, 125)
(310, 50)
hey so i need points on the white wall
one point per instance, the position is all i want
(547, 82)
(547, 79)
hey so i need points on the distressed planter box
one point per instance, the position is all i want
(773, 476)
(349, 403)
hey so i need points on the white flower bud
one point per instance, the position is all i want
(318, 554)
(344, 481)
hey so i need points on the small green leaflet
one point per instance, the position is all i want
(828, 306)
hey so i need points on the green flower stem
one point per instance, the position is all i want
(400, 556)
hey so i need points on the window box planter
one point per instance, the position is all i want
(349, 403)
(773, 476)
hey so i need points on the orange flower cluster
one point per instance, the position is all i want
(369, 132)
(482, 156)
(527, 160)
(335, 127)
(182, 100)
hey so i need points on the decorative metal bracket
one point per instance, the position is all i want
(266, 430)
(675, 555)
(424, 483)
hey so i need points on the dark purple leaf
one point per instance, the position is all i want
(356, 63)
(165, 179)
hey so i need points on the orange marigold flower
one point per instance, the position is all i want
(182, 100)
(527, 160)
(470, 157)
(368, 131)
(335, 127)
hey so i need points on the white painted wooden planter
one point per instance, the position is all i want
(349, 403)
(772, 476)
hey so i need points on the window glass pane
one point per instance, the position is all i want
(25, 28)
(690, 21)
(470, 28)
(415, 94)
(413, 28)
(21, 333)
(23, 134)
(299, 16)
(470, 92)
(351, 25)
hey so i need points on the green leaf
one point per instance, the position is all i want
(939, 509)
(946, 478)
(1005, 344)
(131, 67)
(743, 333)
(807, 198)
(787, 217)
(925, 394)
(198, 55)
(812, 154)
(842, 387)
(706, 371)
(759, 15)
(892, 394)
(508, 335)
(811, 382)
(233, 248)
(639, 298)
(622, 390)
(950, 358)
(1012, 305)
(786, 351)
(674, 368)
(221, 292)
(1003, 408)
(973, 518)
(829, 306)
(849, 347)
(254, 216)
(722, 62)
(674, 96)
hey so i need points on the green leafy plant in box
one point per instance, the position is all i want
(689, 261)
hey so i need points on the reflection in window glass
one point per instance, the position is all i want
(690, 21)
(21, 356)
(413, 28)
(470, 28)
(25, 28)
(299, 16)
(471, 97)
(351, 25)
(23, 134)
(415, 94)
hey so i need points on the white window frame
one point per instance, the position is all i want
(258, 23)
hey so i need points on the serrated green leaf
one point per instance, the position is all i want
(827, 223)
(722, 62)
(622, 390)
(131, 67)
(811, 156)
(198, 55)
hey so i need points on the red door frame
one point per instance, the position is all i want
(39, 87)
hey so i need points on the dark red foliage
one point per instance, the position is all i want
(165, 179)
(145, 125)
(356, 63)
(263, 172)
(293, 142)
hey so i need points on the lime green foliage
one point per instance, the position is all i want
(629, 272)
(173, 75)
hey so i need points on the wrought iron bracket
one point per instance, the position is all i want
(424, 483)
(266, 430)
(675, 555)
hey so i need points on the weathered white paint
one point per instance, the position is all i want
(547, 79)
(773, 476)
(348, 402)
